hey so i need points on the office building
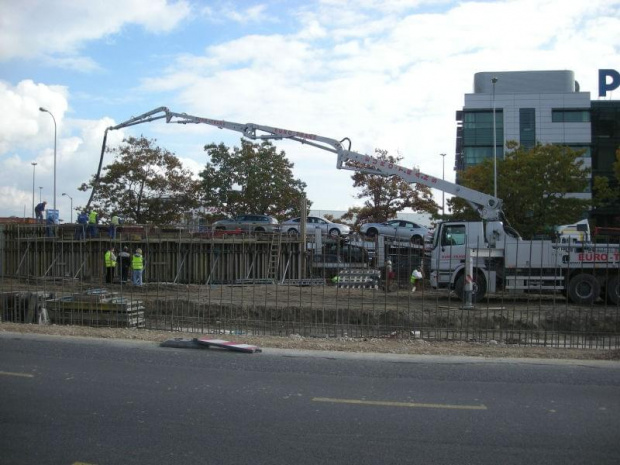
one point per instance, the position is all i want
(532, 107)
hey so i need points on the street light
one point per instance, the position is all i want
(71, 215)
(50, 113)
(494, 81)
(443, 177)
(34, 164)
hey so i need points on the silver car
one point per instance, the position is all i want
(248, 223)
(398, 229)
(293, 226)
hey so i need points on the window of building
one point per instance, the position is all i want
(473, 156)
(570, 115)
(527, 127)
(476, 141)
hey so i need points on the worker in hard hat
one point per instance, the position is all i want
(137, 265)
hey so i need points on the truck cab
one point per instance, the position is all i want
(449, 249)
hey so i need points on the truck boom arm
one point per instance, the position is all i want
(488, 207)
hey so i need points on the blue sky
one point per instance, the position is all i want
(388, 74)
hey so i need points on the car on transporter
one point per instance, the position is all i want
(396, 229)
(313, 223)
(248, 223)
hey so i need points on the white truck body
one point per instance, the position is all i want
(582, 271)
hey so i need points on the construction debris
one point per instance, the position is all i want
(204, 343)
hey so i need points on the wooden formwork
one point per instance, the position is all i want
(27, 252)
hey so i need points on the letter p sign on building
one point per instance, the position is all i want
(603, 86)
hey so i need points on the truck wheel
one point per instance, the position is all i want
(334, 232)
(613, 290)
(583, 289)
(479, 291)
(416, 240)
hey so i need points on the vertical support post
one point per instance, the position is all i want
(468, 289)
(303, 239)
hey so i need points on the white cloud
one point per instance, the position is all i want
(23, 125)
(392, 80)
(231, 12)
(28, 137)
(34, 28)
(388, 74)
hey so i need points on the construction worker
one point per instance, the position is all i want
(110, 265)
(38, 210)
(114, 222)
(413, 279)
(80, 232)
(124, 257)
(93, 220)
(389, 275)
(137, 264)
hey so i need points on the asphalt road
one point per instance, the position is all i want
(82, 401)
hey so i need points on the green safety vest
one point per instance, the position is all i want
(109, 263)
(92, 217)
(137, 262)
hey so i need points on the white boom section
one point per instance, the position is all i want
(488, 207)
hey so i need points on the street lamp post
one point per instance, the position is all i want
(34, 164)
(494, 81)
(71, 216)
(443, 177)
(54, 119)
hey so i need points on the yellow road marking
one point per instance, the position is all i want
(383, 403)
(23, 375)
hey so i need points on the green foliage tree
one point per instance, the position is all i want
(254, 178)
(534, 184)
(386, 196)
(145, 184)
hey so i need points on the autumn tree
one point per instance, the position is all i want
(386, 196)
(253, 178)
(144, 184)
(535, 185)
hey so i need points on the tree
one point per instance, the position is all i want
(535, 186)
(252, 179)
(145, 184)
(387, 195)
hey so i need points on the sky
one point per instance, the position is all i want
(387, 74)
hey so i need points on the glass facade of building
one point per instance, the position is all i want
(605, 117)
(477, 136)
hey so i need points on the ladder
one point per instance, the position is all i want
(274, 256)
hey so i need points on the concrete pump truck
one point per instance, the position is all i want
(469, 258)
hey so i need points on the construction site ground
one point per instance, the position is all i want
(399, 343)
